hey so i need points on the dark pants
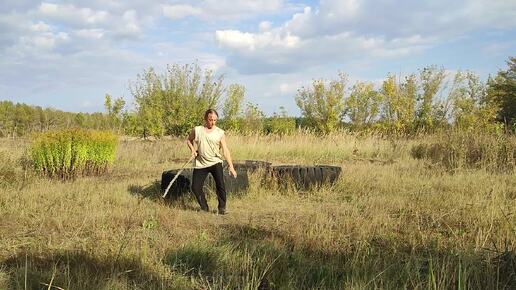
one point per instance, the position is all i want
(199, 175)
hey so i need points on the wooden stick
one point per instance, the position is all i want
(175, 177)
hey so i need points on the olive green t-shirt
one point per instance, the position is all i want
(208, 147)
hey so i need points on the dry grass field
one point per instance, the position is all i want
(389, 222)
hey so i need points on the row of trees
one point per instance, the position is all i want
(425, 101)
(21, 119)
(173, 102)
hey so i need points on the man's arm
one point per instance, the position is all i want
(227, 155)
(189, 142)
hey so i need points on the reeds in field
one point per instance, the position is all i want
(71, 153)
(469, 150)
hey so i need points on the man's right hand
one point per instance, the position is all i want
(194, 154)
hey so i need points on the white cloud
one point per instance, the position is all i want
(249, 41)
(90, 33)
(279, 51)
(40, 27)
(72, 15)
(129, 27)
(236, 40)
(339, 30)
(210, 10)
(265, 26)
(180, 11)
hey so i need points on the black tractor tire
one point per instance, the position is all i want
(305, 177)
(182, 184)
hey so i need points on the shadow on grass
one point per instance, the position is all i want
(152, 191)
(253, 257)
(78, 270)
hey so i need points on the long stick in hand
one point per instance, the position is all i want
(177, 174)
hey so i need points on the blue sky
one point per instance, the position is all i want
(69, 54)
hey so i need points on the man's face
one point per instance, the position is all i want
(211, 120)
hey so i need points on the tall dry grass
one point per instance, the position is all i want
(390, 221)
(464, 150)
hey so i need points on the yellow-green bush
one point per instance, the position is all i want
(70, 153)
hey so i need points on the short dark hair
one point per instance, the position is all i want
(210, 111)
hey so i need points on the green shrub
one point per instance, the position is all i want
(70, 153)
(469, 150)
(280, 125)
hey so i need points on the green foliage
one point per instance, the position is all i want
(459, 149)
(70, 153)
(21, 119)
(232, 109)
(471, 109)
(174, 102)
(399, 103)
(363, 104)
(428, 112)
(280, 125)
(502, 92)
(114, 109)
(253, 119)
(323, 105)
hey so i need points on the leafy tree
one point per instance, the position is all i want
(502, 93)
(363, 104)
(253, 119)
(6, 118)
(174, 102)
(323, 105)
(280, 123)
(232, 109)
(471, 110)
(431, 81)
(399, 102)
(80, 120)
(115, 111)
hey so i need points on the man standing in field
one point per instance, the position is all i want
(209, 139)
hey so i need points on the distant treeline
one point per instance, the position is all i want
(173, 102)
(20, 119)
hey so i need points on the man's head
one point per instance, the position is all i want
(210, 118)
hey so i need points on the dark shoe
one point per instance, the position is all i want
(222, 212)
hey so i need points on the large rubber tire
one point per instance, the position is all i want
(305, 177)
(330, 173)
(251, 165)
(181, 185)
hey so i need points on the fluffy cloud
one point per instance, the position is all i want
(344, 29)
(180, 11)
(222, 9)
(70, 14)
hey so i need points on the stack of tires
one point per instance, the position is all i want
(302, 177)
(237, 185)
